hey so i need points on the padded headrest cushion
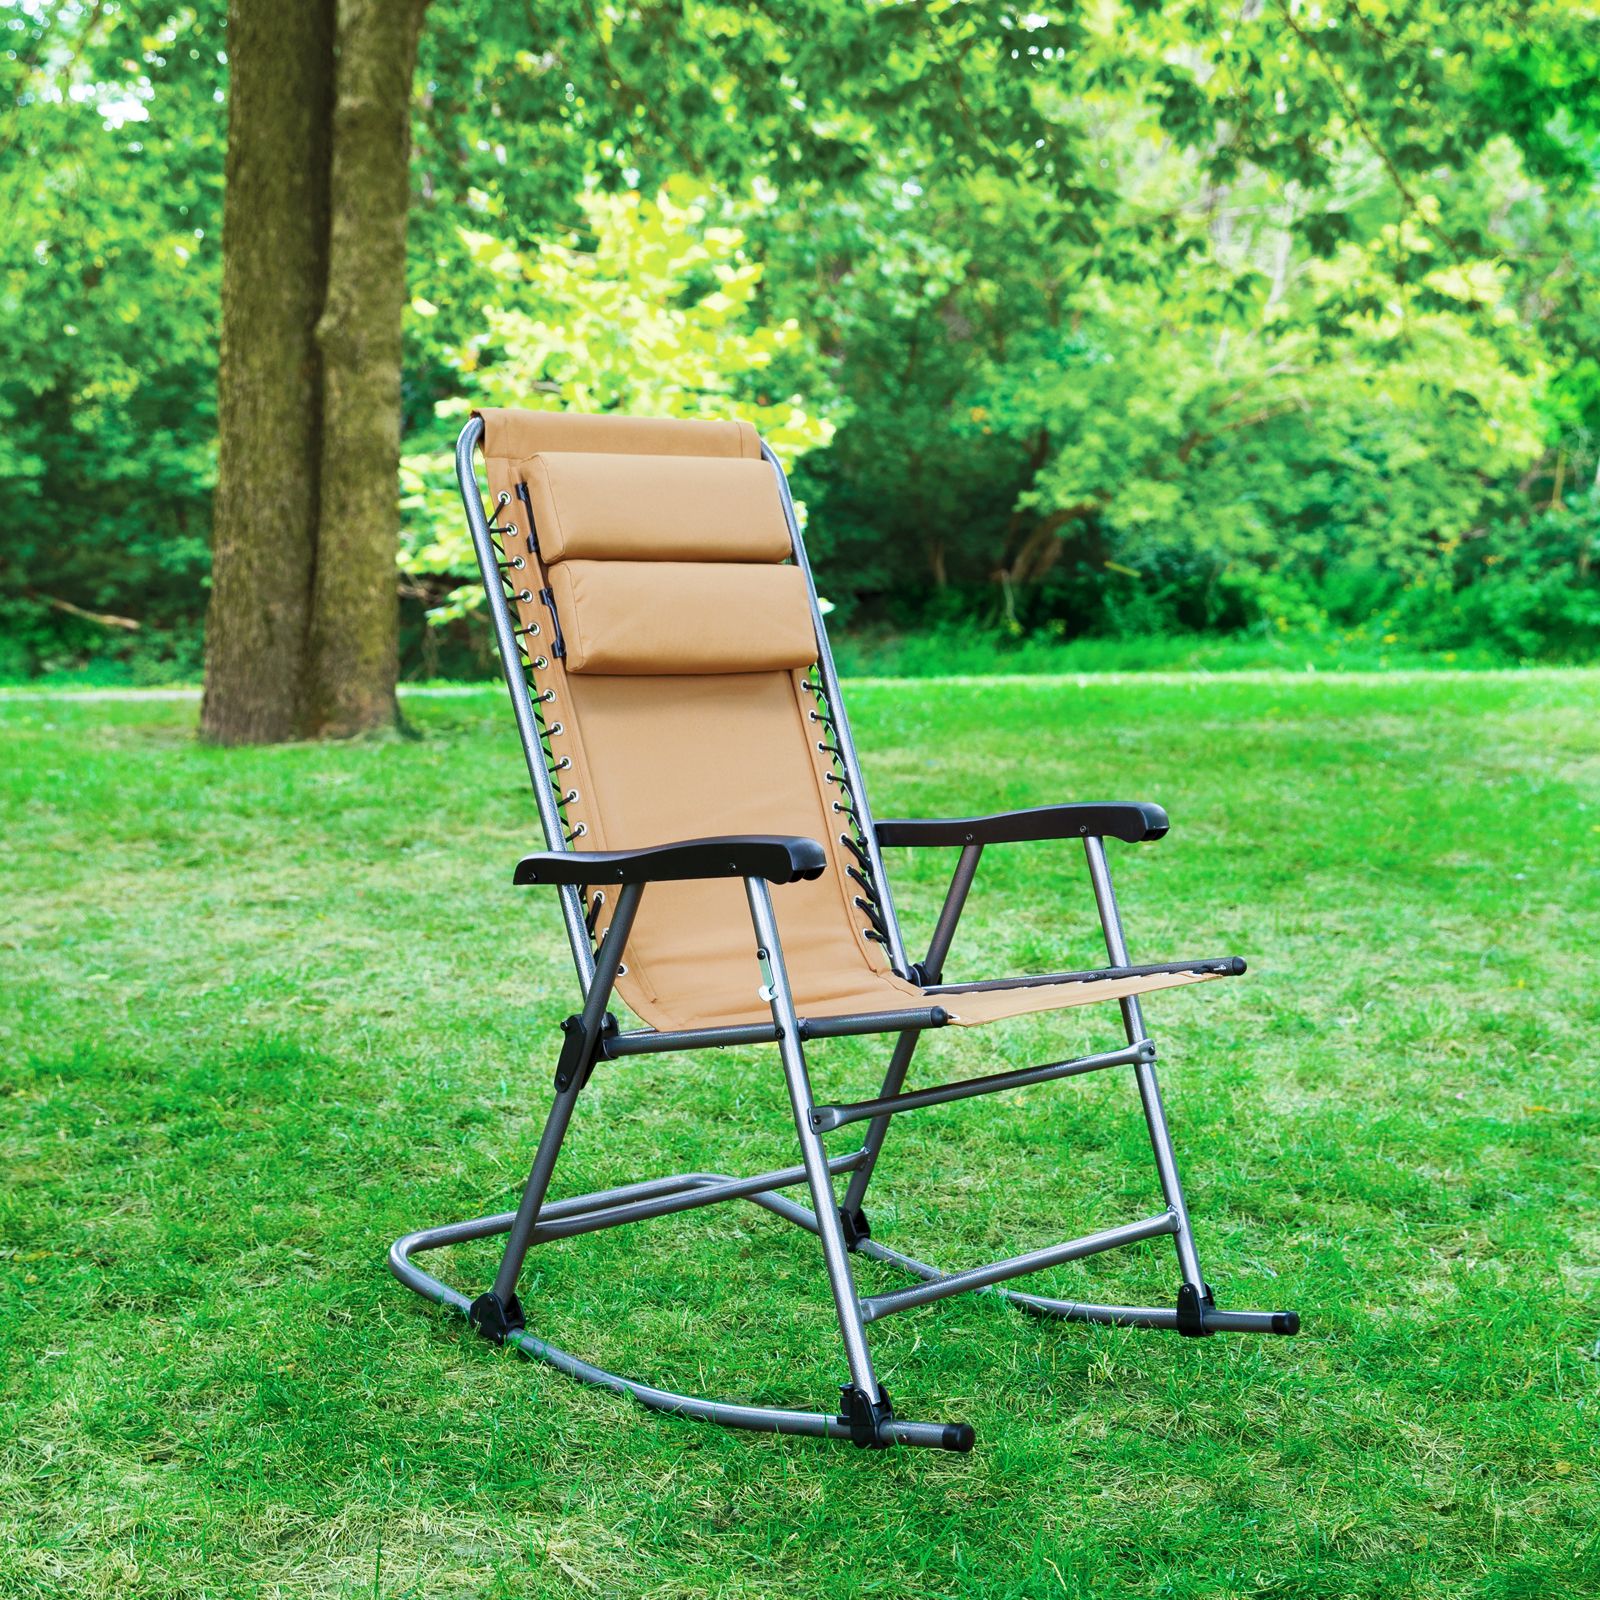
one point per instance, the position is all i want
(676, 619)
(514, 434)
(655, 508)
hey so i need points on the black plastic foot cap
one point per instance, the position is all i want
(1286, 1322)
(958, 1436)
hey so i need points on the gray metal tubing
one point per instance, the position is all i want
(826, 1118)
(1094, 975)
(841, 725)
(555, 1128)
(944, 931)
(698, 1190)
(516, 682)
(756, 1419)
(424, 1283)
(760, 1419)
(834, 1253)
(1149, 1089)
(648, 1041)
(1065, 1310)
(899, 1065)
(885, 1305)
(955, 900)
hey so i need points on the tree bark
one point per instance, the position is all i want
(275, 226)
(353, 649)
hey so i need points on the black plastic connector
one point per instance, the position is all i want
(494, 1320)
(866, 1417)
(558, 645)
(1193, 1303)
(533, 532)
(856, 1227)
(574, 1064)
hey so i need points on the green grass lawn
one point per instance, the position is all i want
(263, 1011)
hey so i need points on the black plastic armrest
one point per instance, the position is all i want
(779, 858)
(1131, 820)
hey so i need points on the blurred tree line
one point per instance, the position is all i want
(1111, 318)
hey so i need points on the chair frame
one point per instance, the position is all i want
(865, 1416)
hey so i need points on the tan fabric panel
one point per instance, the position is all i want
(655, 508)
(645, 760)
(514, 435)
(678, 758)
(822, 993)
(682, 618)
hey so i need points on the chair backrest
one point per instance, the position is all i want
(680, 697)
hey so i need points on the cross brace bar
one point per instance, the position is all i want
(826, 1118)
(671, 1196)
(885, 1305)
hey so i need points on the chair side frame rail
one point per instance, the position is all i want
(865, 1416)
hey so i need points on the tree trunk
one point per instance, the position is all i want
(275, 227)
(301, 631)
(353, 652)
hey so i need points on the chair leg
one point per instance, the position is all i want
(1193, 1295)
(865, 1402)
(905, 1046)
(498, 1312)
(877, 1130)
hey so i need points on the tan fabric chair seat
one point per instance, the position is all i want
(838, 992)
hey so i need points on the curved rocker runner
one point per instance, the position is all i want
(645, 576)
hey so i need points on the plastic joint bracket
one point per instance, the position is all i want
(494, 1320)
(865, 1417)
(1193, 1303)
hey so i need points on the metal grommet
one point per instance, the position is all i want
(622, 969)
(548, 698)
(837, 806)
(568, 798)
(580, 830)
(532, 628)
(525, 596)
(555, 728)
(565, 761)
(502, 499)
(540, 662)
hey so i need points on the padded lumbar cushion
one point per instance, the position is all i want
(655, 508)
(682, 618)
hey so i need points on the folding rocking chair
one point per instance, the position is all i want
(676, 698)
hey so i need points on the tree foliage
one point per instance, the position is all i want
(1121, 315)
